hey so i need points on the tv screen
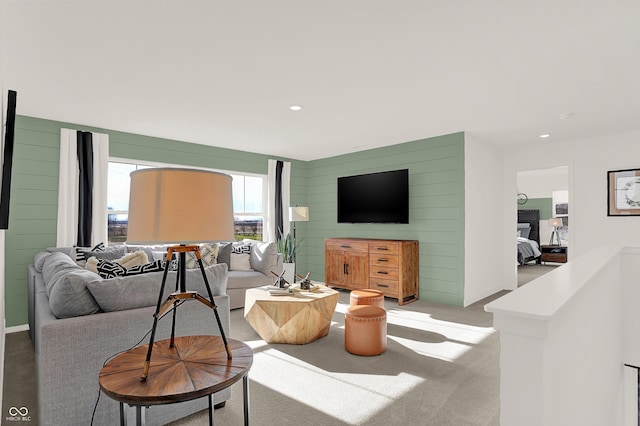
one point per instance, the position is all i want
(5, 190)
(374, 198)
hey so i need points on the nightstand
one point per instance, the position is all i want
(557, 254)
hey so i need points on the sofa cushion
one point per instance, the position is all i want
(240, 262)
(264, 257)
(130, 292)
(66, 285)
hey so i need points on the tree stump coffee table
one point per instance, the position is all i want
(299, 318)
(195, 367)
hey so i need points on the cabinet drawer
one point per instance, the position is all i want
(376, 259)
(383, 272)
(554, 257)
(384, 247)
(343, 245)
(388, 287)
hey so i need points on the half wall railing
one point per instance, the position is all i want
(565, 339)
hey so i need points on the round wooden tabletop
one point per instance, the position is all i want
(196, 366)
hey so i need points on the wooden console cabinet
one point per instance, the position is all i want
(390, 266)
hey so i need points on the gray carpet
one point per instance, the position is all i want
(441, 367)
(531, 271)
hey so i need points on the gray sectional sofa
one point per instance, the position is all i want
(79, 320)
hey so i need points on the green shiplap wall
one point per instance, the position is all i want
(436, 218)
(545, 205)
(436, 176)
(34, 196)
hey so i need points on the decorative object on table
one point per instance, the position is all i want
(522, 198)
(172, 205)
(556, 223)
(305, 282)
(280, 281)
(623, 192)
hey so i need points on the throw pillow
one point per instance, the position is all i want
(146, 268)
(224, 253)
(109, 269)
(208, 254)
(136, 258)
(264, 257)
(240, 262)
(241, 248)
(108, 253)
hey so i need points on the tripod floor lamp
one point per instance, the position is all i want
(183, 207)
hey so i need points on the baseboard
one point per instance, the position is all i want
(477, 297)
(16, 328)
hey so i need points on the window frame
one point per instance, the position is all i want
(147, 163)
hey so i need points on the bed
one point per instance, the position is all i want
(528, 238)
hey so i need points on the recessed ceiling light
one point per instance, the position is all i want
(544, 136)
(295, 107)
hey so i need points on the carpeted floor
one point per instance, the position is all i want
(441, 367)
(531, 271)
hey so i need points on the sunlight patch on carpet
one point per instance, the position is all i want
(337, 394)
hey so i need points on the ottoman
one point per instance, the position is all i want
(365, 330)
(367, 297)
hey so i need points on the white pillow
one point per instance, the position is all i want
(240, 262)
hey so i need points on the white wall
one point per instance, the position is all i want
(588, 161)
(483, 217)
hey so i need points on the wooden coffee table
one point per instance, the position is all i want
(197, 366)
(297, 319)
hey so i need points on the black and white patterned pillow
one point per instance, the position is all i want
(208, 254)
(108, 269)
(143, 269)
(79, 254)
(241, 249)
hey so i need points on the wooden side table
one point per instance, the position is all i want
(557, 254)
(195, 367)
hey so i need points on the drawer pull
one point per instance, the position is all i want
(383, 273)
(383, 260)
(345, 246)
(382, 248)
(382, 285)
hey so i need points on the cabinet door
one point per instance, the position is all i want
(334, 271)
(357, 270)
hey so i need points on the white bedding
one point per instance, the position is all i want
(534, 245)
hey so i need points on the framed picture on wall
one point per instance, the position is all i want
(623, 192)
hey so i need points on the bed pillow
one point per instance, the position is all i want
(524, 229)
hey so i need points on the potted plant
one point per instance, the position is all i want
(288, 248)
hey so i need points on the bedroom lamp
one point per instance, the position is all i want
(556, 223)
(297, 214)
(183, 207)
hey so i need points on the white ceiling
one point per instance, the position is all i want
(368, 73)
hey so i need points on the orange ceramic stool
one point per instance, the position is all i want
(365, 330)
(367, 297)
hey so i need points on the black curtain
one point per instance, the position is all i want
(85, 189)
(278, 201)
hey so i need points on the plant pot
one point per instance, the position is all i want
(289, 272)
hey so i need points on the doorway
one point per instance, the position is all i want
(547, 192)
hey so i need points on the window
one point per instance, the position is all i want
(248, 201)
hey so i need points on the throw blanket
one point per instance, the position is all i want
(527, 249)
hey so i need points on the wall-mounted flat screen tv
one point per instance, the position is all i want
(381, 197)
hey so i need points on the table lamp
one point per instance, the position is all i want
(180, 206)
(556, 222)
